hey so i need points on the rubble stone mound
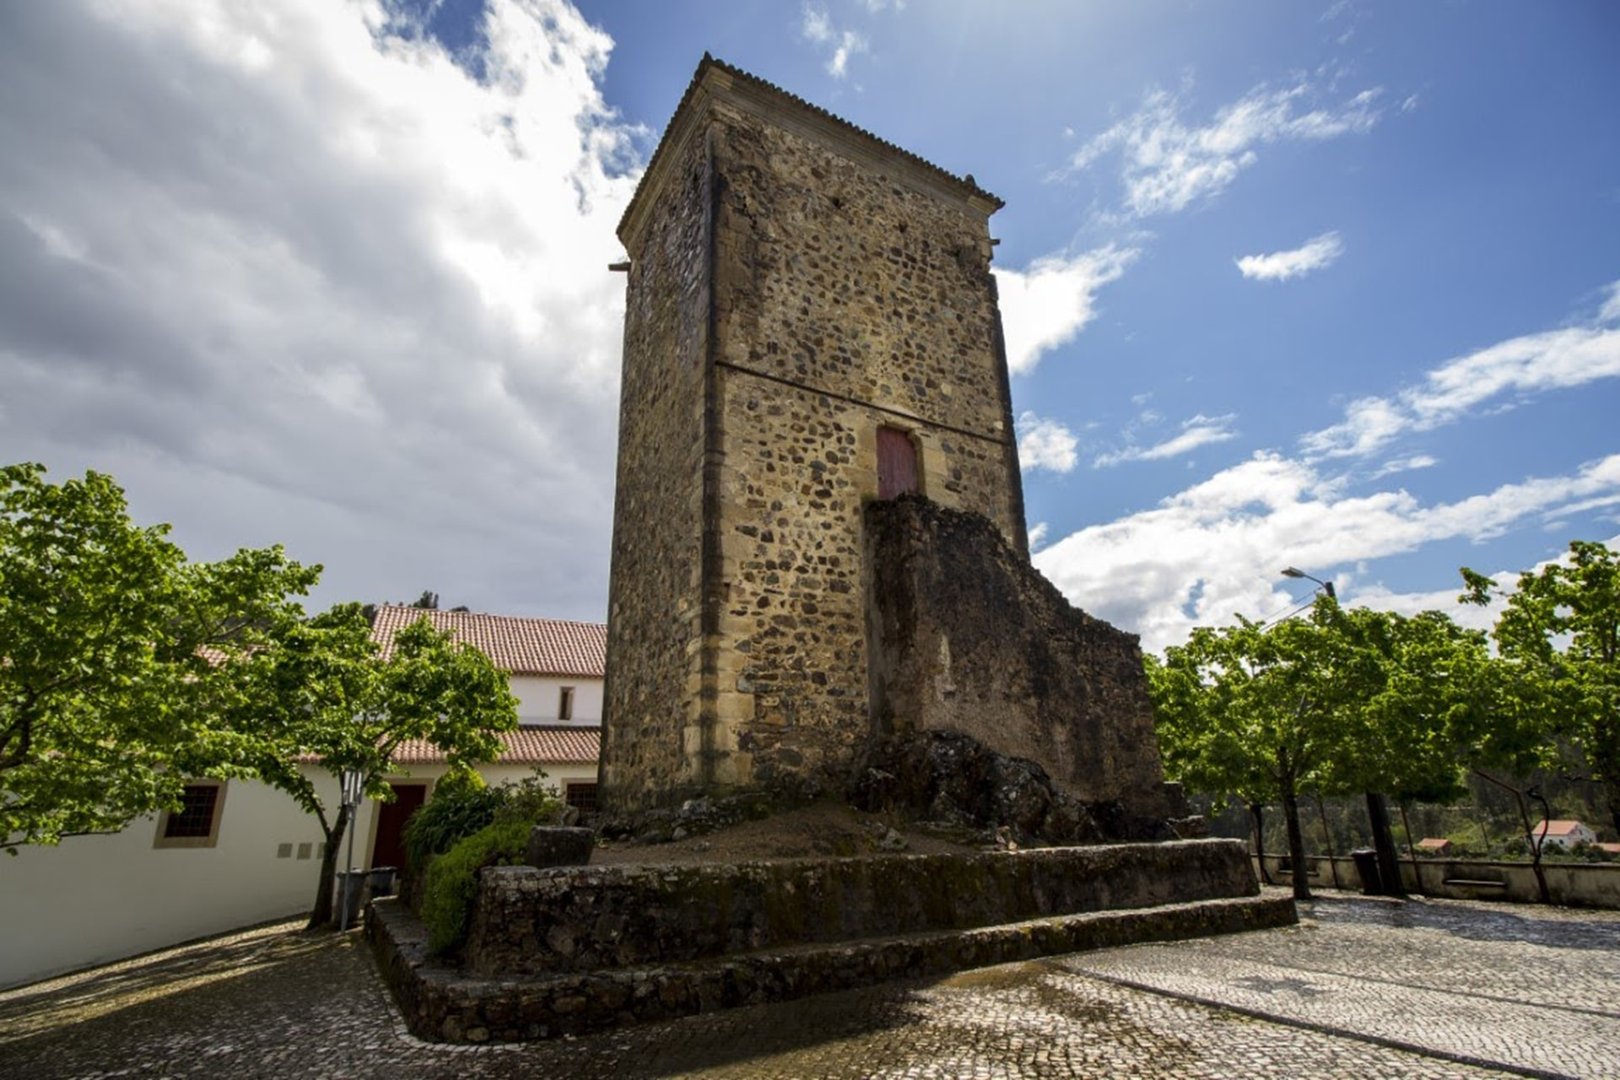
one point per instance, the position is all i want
(951, 777)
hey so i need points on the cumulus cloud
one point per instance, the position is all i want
(1522, 366)
(1199, 431)
(816, 26)
(1215, 548)
(1315, 254)
(1166, 164)
(1049, 302)
(1045, 444)
(296, 274)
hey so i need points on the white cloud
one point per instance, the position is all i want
(816, 27)
(291, 276)
(1045, 444)
(1046, 304)
(1406, 464)
(1037, 535)
(1315, 254)
(1610, 312)
(1167, 165)
(1199, 431)
(1215, 549)
(1534, 363)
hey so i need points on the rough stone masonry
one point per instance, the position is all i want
(811, 326)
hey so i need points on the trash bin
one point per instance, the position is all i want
(356, 894)
(1372, 884)
(381, 880)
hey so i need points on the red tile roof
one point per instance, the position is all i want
(517, 645)
(525, 746)
(1560, 827)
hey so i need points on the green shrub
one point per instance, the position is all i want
(530, 800)
(452, 879)
(449, 816)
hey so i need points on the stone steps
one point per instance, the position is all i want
(443, 1003)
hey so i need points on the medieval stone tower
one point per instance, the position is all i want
(811, 323)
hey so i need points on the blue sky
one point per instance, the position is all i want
(1331, 285)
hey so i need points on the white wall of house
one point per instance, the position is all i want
(538, 696)
(94, 899)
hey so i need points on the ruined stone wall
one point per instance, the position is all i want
(845, 301)
(652, 699)
(967, 636)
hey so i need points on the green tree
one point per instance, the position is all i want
(1559, 637)
(115, 656)
(1249, 710)
(324, 693)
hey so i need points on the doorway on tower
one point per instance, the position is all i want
(897, 462)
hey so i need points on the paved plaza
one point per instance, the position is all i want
(1361, 988)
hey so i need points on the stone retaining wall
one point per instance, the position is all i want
(1594, 885)
(529, 921)
(443, 1004)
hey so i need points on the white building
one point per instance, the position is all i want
(241, 852)
(1563, 833)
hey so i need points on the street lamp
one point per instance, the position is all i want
(353, 790)
(1327, 586)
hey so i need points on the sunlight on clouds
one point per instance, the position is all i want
(1201, 430)
(1166, 165)
(1534, 363)
(816, 27)
(1046, 304)
(384, 296)
(1045, 444)
(1237, 529)
(1315, 254)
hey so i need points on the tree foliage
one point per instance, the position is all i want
(324, 693)
(1342, 700)
(117, 656)
(1559, 637)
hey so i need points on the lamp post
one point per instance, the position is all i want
(353, 790)
(1295, 572)
(1389, 869)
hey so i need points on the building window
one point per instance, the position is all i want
(581, 797)
(565, 703)
(196, 823)
(897, 462)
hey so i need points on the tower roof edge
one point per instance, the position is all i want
(717, 77)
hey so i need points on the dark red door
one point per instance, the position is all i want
(897, 463)
(390, 847)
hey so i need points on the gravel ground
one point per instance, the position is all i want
(1362, 988)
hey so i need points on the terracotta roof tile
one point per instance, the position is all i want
(525, 746)
(1560, 827)
(517, 645)
(710, 62)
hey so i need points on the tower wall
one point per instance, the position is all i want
(827, 285)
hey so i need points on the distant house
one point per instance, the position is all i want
(1434, 845)
(1563, 834)
(240, 852)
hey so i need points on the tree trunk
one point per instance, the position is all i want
(321, 914)
(1327, 837)
(1389, 866)
(1296, 842)
(1411, 852)
(1258, 812)
(1534, 842)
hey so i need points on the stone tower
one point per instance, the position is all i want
(810, 324)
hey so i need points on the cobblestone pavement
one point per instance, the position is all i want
(1533, 992)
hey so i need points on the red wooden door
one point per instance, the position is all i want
(897, 463)
(389, 849)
